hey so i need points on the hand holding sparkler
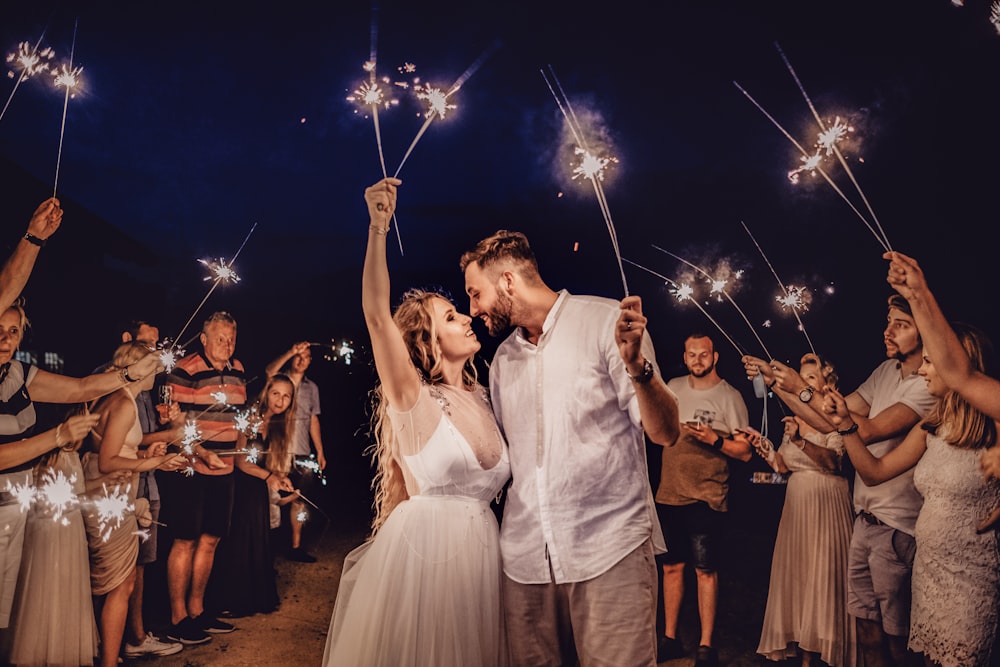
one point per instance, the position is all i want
(381, 199)
(45, 220)
(279, 483)
(906, 276)
(76, 428)
(629, 329)
(755, 366)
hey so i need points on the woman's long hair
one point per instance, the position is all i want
(279, 428)
(415, 321)
(953, 419)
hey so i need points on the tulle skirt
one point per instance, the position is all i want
(425, 591)
(807, 596)
(53, 617)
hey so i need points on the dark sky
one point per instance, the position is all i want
(196, 121)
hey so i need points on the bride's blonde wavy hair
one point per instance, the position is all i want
(415, 320)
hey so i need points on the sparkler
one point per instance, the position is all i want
(437, 101)
(718, 287)
(683, 292)
(24, 493)
(67, 77)
(111, 509)
(591, 166)
(30, 61)
(313, 465)
(223, 272)
(817, 167)
(57, 493)
(791, 299)
(344, 349)
(832, 134)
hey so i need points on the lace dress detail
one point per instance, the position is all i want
(956, 573)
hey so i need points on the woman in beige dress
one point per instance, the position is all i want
(111, 471)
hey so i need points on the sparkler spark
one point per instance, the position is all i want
(192, 436)
(24, 493)
(794, 298)
(220, 271)
(302, 516)
(67, 77)
(29, 60)
(682, 292)
(169, 354)
(436, 99)
(111, 509)
(591, 166)
(57, 493)
(248, 422)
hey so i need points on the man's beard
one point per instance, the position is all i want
(901, 356)
(702, 373)
(500, 315)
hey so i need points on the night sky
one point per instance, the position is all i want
(196, 121)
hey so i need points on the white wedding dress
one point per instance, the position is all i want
(426, 589)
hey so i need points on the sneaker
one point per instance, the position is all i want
(300, 555)
(707, 657)
(152, 646)
(213, 625)
(187, 632)
(668, 648)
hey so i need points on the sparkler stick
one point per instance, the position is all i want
(66, 77)
(685, 295)
(795, 310)
(833, 145)
(223, 272)
(825, 176)
(591, 166)
(722, 290)
(31, 61)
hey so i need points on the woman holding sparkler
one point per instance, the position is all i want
(111, 471)
(956, 571)
(21, 448)
(441, 460)
(246, 583)
(807, 597)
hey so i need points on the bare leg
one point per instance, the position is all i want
(179, 578)
(871, 643)
(136, 628)
(204, 556)
(113, 615)
(673, 594)
(708, 597)
(296, 526)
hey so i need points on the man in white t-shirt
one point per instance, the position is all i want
(573, 388)
(885, 407)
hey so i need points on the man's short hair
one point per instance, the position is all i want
(132, 327)
(898, 302)
(504, 245)
(220, 316)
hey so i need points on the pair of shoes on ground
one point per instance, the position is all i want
(152, 645)
(198, 630)
(300, 555)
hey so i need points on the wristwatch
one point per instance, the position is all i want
(645, 375)
(806, 394)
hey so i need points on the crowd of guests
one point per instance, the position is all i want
(197, 476)
(897, 567)
(587, 564)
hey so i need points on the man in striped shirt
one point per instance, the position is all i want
(198, 507)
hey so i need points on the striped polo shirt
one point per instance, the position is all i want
(197, 386)
(17, 412)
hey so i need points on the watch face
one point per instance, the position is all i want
(806, 394)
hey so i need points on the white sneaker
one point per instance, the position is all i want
(152, 646)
